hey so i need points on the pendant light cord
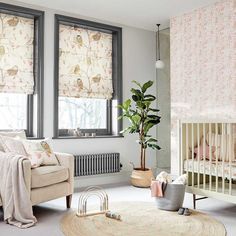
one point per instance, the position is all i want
(158, 42)
(156, 46)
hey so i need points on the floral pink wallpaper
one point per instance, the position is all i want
(16, 54)
(203, 66)
(85, 63)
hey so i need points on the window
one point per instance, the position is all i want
(88, 76)
(13, 110)
(21, 65)
(83, 113)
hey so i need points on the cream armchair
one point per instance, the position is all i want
(46, 183)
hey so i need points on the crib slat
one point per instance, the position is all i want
(192, 155)
(230, 158)
(223, 158)
(186, 149)
(216, 145)
(181, 150)
(204, 156)
(198, 153)
(210, 152)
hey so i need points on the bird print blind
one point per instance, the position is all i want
(16, 54)
(85, 63)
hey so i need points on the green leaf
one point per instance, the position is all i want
(132, 111)
(149, 96)
(147, 103)
(126, 104)
(133, 130)
(150, 99)
(154, 110)
(137, 83)
(136, 118)
(135, 98)
(154, 146)
(141, 104)
(150, 140)
(137, 92)
(125, 130)
(147, 85)
(119, 106)
(154, 122)
(147, 127)
(154, 117)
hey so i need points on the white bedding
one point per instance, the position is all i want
(192, 165)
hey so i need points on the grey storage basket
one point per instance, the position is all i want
(173, 197)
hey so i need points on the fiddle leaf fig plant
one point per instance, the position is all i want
(142, 117)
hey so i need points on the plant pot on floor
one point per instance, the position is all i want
(141, 178)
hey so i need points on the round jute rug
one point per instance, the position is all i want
(142, 219)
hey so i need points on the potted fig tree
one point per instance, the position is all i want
(142, 117)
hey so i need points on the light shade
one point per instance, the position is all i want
(160, 64)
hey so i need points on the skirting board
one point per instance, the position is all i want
(103, 179)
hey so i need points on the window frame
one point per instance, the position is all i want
(38, 66)
(116, 74)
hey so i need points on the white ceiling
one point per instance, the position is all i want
(138, 13)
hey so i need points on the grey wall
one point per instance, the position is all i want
(163, 91)
(138, 64)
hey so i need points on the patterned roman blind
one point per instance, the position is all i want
(16, 54)
(85, 63)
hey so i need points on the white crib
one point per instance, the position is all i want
(208, 156)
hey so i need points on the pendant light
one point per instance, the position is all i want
(159, 63)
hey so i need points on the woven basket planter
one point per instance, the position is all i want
(141, 179)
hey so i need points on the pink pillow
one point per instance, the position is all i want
(200, 150)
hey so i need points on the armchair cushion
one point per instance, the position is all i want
(20, 134)
(13, 145)
(41, 150)
(48, 175)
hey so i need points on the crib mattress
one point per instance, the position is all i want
(211, 168)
